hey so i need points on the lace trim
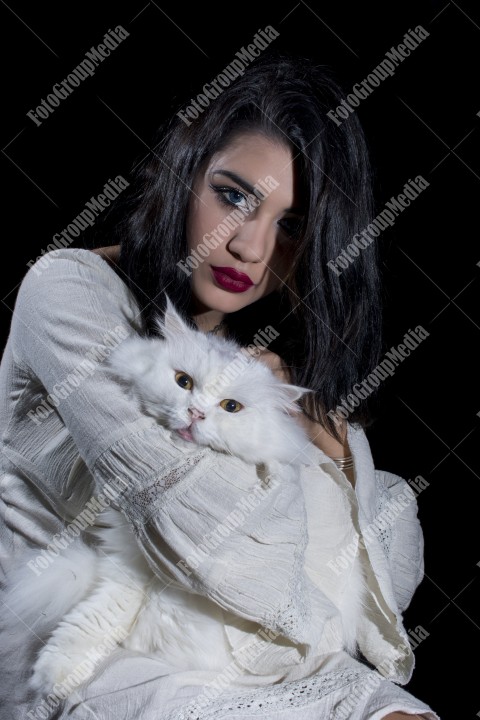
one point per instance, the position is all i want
(146, 499)
(295, 606)
(293, 694)
(384, 529)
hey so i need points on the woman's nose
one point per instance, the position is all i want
(251, 242)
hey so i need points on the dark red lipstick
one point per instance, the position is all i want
(230, 279)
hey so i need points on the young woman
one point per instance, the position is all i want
(234, 214)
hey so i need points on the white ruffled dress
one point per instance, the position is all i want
(271, 579)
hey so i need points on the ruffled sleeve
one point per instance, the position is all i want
(400, 534)
(199, 516)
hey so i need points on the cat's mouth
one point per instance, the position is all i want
(185, 433)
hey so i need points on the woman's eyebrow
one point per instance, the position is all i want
(240, 181)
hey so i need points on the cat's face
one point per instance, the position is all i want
(211, 392)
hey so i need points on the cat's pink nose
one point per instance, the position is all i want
(196, 414)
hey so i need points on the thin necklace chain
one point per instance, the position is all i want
(216, 328)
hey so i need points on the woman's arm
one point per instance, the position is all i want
(68, 318)
(179, 498)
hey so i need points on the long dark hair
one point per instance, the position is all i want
(329, 324)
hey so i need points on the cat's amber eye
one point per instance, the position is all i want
(231, 405)
(184, 380)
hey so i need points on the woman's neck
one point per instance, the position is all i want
(205, 319)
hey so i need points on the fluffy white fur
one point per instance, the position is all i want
(262, 431)
(94, 591)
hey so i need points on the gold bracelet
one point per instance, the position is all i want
(343, 463)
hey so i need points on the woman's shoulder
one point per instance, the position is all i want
(99, 260)
(73, 280)
(55, 270)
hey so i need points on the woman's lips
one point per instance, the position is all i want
(230, 279)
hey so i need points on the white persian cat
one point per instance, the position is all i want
(211, 392)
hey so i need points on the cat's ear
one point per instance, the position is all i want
(172, 324)
(292, 393)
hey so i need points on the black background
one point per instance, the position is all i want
(423, 120)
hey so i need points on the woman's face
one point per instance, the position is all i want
(242, 215)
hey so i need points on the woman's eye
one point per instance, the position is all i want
(231, 197)
(231, 406)
(291, 225)
(234, 197)
(184, 380)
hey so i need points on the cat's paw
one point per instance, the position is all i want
(54, 667)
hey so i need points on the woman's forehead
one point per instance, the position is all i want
(250, 140)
